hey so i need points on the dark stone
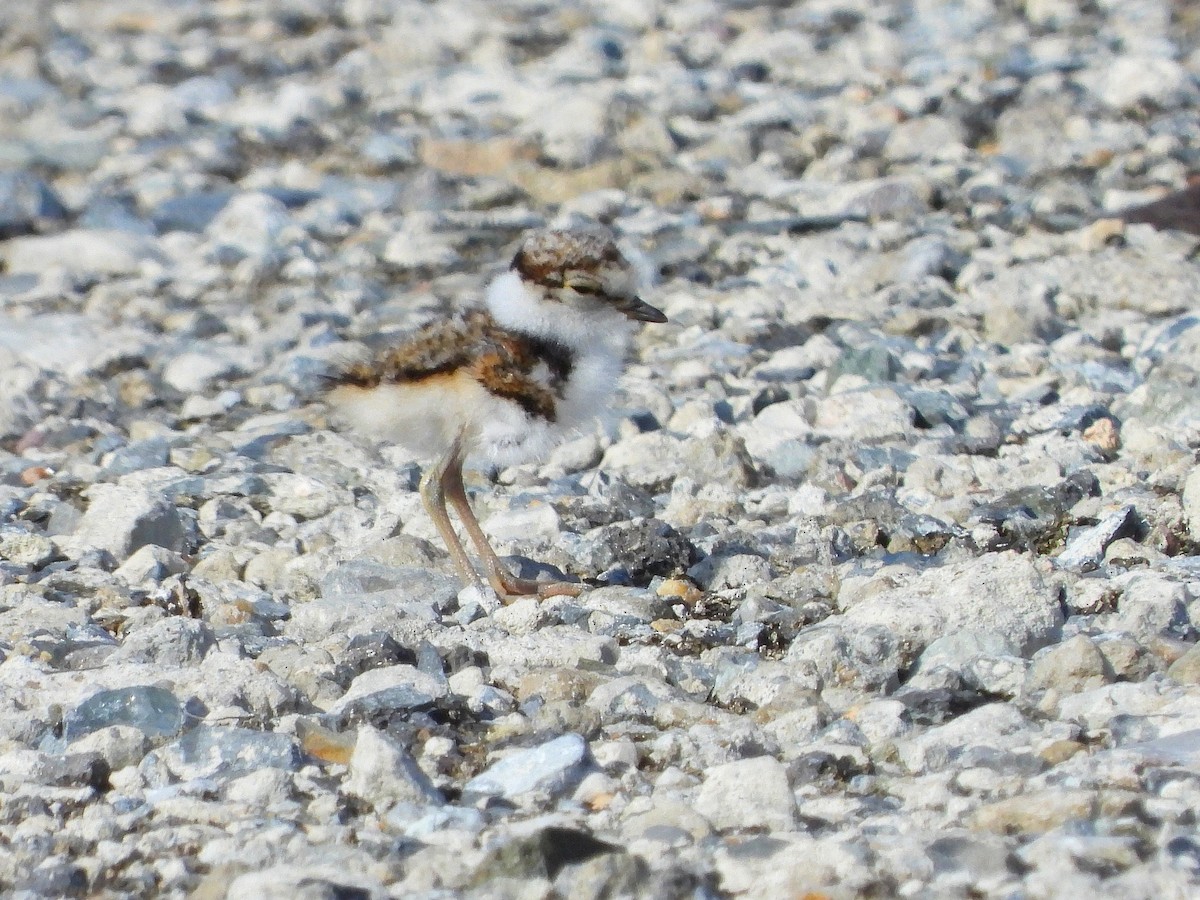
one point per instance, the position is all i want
(821, 765)
(373, 650)
(322, 889)
(643, 549)
(1184, 853)
(769, 396)
(939, 705)
(77, 770)
(460, 657)
(755, 72)
(615, 501)
(541, 855)
(1036, 516)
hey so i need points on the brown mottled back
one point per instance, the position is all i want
(476, 347)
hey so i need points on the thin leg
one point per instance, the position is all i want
(502, 580)
(433, 495)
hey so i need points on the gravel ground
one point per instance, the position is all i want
(892, 533)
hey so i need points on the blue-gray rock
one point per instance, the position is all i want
(147, 454)
(108, 213)
(195, 212)
(55, 877)
(1181, 749)
(26, 201)
(873, 363)
(225, 753)
(550, 769)
(153, 710)
(190, 212)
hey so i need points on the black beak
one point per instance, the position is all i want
(637, 308)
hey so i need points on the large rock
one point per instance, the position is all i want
(549, 769)
(1002, 594)
(92, 253)
(122, 519)
(382, 773)
(748, 793)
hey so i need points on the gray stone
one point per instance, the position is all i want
(27, 548)
(958, 649)
(148, 454)
(740, 570)
(1020, 606)
(249, 225)
(307, 882)
(122, 519)
(1076, 664)
(986, 731)
(84, 252)
(151, 564)
(1151, 605)
(748, 793)
(64, 342)
(1130, 82)
(226, 753)
(390, 688)
(654, 459)
(776, 438)
(173, 641)
(192, 372)
(383, 773)
(1186, 669)
(119, 746)
(359, 577)
(1180, 749)
(869, 656)
(1191, 503)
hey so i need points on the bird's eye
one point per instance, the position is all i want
(585, 288)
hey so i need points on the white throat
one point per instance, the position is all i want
(515, 306)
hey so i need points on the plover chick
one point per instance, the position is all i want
(506, 384)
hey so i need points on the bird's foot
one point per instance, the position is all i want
(513, 588)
